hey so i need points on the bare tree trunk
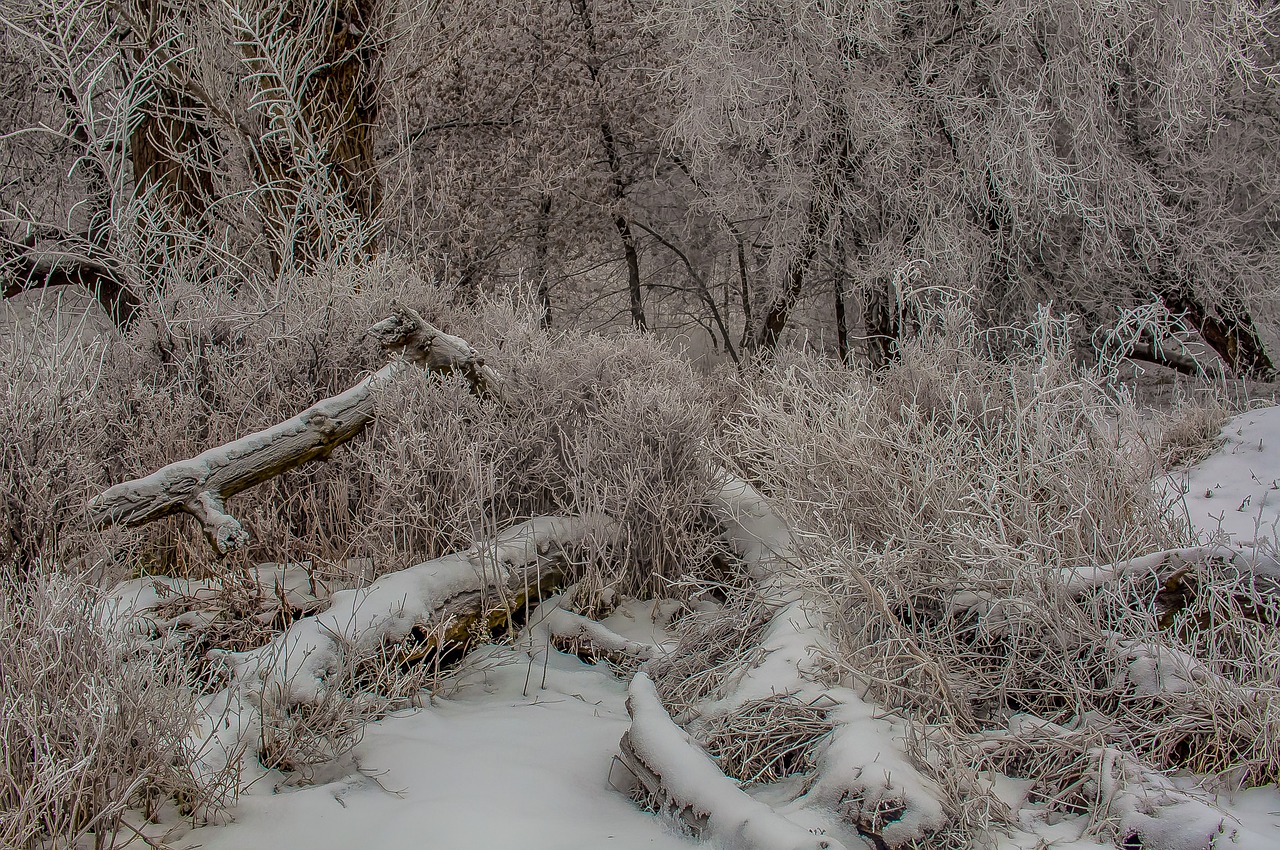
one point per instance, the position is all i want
(169, 146)
(779, 310)
(744, 285)
(340, 106)
(884, 327)
(617, 180)
(838, 290)
(540, 270)
(344, 95)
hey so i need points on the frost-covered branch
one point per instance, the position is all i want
(201, 485)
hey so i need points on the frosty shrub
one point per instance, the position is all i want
(949, 502)
(88, 728)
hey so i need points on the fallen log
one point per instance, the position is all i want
(866, 784)
(693, 790)
(200, 486)
(299, 700)
(439, 598)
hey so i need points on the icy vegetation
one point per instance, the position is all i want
(954, 603)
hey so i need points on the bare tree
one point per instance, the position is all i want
(1025, 151)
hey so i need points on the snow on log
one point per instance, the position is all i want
(553, 624)
(1078, 580)
(201, 485)
(693, 789)
(506, 572)
(865, 777)
(870, 782)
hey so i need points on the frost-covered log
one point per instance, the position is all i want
(866, 782)
(1078, 580)
(432, 599)
(693, 790)
(553, 624)
(300, 700)
(201, 485)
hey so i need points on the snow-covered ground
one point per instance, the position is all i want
(1234, 495)
(518, 754)
(487, 767)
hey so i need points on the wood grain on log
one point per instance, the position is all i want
(200, 486)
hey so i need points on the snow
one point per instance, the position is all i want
(301, 661)
(1233, 496)
(694, 780)
(487, 766)
(518, 752)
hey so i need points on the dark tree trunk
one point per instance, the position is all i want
(617, 179)
(340, 108)
(632, 259)
(170, 145)
(744, 286)
(779, 309)
(883, 324)
(1228, 329)
(540, 270)
(837, 289)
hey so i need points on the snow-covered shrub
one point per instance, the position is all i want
(88, 728)
(588, 423)
(951, 505)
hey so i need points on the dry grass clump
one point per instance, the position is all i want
(50, 418)
(715, 647)
(586, 423)
(767, 739)
(1190, 432)
(946, 499)
(88, 728)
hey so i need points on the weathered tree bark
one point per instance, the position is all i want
(1227, 328)
(200, 486)
(169, 145)
(340, 104)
